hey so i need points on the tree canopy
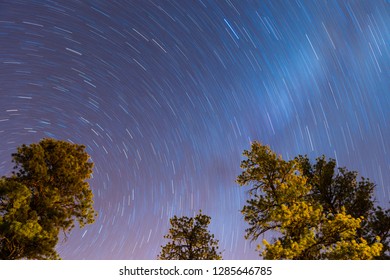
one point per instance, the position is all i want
(45, 195)
(190, 240)
(314, 211)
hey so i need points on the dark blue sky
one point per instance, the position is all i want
(166, 95)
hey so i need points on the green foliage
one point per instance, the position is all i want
(315, 213)
(45, 195)
(341, 189)
(190, 240)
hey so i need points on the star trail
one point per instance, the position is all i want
(166, 95)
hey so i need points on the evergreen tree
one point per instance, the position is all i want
(190, 240)
(288, 199)
(335, 188)
(44, 197)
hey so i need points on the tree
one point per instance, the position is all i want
(336, 188)
(45, 195)
(190, 240)
(313, 213)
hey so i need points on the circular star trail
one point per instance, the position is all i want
(166, 95)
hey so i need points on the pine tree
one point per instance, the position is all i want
(288, 203)
(44, 197)
(190, 240)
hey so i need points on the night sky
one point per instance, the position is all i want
(166, 95)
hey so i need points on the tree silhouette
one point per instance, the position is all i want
(45, 195)
(313, 213)
(190, 240)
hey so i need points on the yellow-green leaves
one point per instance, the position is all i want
(294, 203)
(45, 195)
(354, 250)
(190, 240)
